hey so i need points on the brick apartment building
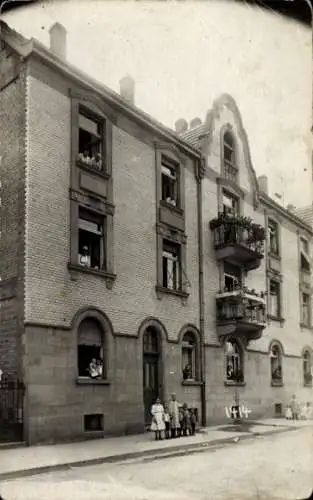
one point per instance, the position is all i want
(112, 250)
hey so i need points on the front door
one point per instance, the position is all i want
(151, 371)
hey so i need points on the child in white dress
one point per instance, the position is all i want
(158, 423)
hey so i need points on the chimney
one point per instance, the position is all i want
(127, 89)
(263, 183)
(58, 40)
(181, 126)
(195, 123)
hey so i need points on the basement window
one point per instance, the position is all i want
(93, 422)
(91, 240)
(90, 141)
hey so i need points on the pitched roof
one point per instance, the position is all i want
(194, 135)
(305, 214)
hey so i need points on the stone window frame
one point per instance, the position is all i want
(228, 129)
(274, 221)
(307, 350)
(226, 186)
(193, 332)
(309, 295)
(241, 353)
(108, 341)
(277, 279)
(102, 205)
(275, 344)
(100, 112)
(103, 211)
(164, 232)
(170, 153)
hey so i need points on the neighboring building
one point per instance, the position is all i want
(112, 250)
(272, 347)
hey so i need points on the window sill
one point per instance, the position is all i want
(92, 381)
(178, 293)
(275, 256)
(109, 277)
(233, 383)
(307, 384)
(92, 170)
(171, 207)
(277, 383)
(276, 318)
(192, 382)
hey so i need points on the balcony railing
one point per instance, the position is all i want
(238, 238)
(242, 311)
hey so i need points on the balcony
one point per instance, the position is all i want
(238, 240)
(240, 312)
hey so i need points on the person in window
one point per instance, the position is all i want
(174, 414)
(85, 158)
(93, 368)
(230, 372)
(187, 372)
(277, 373)
(99, 367)
(84, 258)
(98, 161)
(157, 424)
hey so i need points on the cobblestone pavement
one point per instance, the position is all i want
(267, 467)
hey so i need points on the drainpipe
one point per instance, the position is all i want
(199, 177)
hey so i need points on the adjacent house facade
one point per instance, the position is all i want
(137, 261)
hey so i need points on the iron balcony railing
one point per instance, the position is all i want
(245, 311)
(233, 233)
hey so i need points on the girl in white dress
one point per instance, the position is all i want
(158, 423)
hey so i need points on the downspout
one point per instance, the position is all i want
(199, 177)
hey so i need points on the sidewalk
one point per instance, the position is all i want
(27, 461)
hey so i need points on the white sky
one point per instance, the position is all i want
(183, 55)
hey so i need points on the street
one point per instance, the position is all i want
(270, 467)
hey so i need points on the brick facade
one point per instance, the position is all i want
(12, 178)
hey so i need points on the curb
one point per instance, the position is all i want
(147, 455)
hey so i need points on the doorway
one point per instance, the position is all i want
(152, 385)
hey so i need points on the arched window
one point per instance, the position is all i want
(190, 363)
(91, 350)
(234, 361)
(307, 368)
(276, 365)
(230, 168)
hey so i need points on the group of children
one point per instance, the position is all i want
(174, 420)
(294, 411)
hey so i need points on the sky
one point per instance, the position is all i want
(183, 55)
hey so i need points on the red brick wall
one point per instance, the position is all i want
(12, 160)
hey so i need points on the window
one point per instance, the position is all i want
(273, 237)
(304, 255)
(276, 365)
(91, 361)
(234, 364)
(189, 348)
(91, 240)
(170, 184)
(307, 368)
(172, 270)
(229, 152)
(93, 422)
(274, 299)
(230, 204)
(90, 141)
(305, 309)
(232, 277)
